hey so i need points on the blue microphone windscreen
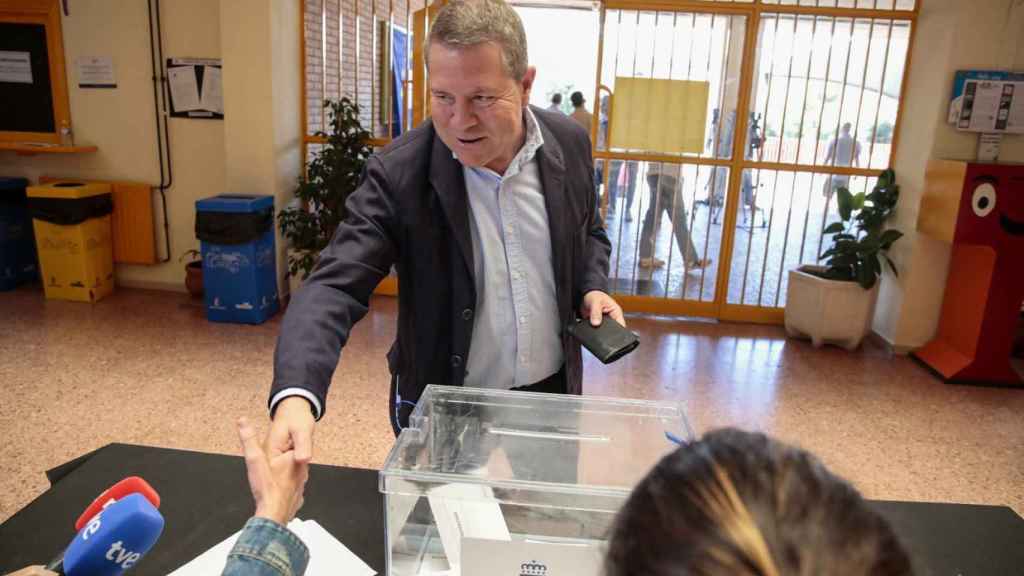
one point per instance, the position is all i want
(114, 540)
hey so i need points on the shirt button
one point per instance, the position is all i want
(467, 314)
(522, 319)
(456, 360)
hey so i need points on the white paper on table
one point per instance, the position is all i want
(184, 89)
(327, 555)
(466, 511)
(15, 67)
(213, 96)
(213, 560)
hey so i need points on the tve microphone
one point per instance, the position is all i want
(130, 485)
(114, 540)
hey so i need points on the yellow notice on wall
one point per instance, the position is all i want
(666, 116)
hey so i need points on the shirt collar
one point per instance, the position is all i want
(526, 154)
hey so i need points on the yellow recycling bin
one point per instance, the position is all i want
(73, 237)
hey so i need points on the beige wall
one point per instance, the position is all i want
(952, 35)
(121, 123)
(262, 98)
(255, 150)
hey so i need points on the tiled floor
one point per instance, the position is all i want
(146, 367)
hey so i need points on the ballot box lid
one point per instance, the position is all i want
(531, 442)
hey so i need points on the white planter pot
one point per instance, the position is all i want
(828, 311)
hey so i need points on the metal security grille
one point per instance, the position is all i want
(804, 98)
(663, 215)
(360, 49)
(709, 228)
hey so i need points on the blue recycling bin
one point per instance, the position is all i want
(236, 234)
(17, 242)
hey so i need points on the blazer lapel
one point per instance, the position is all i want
(552, 175)
(449, 184)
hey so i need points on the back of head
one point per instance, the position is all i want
(468, 23)
(740, 503)
(556, 98)
(577, 99)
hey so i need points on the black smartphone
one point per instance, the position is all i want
(608, 342)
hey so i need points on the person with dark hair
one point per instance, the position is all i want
(579, 111)
(741, 503)
(556, 103)
(488, 215)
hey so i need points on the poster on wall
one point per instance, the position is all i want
(988, 101)
(15, 67)
(96, 72)
(196, 88)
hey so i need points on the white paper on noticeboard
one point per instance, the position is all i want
(184, 88)
(15, 67)
(993, 104)
(96, 72)
(213, 95)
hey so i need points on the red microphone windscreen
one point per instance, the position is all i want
(130, 485)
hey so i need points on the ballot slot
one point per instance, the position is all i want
(486, 480)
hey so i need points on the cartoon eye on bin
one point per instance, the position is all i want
(984, 201)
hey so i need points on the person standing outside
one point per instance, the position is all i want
(843, 151)
(556, 103)
(579, 111)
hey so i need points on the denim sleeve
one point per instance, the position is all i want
(265, 548)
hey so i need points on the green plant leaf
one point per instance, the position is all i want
(865, 277)
(845, 201)
(887, 178)
(890, 236)
(834, 228)
(332, 174)
(858, 201)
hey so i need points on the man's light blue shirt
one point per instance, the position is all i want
(516, 332)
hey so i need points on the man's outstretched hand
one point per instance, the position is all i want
(292, 429)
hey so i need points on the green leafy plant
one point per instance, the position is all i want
(859, 240)
(332, 174)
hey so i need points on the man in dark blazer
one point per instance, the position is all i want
(488, 213)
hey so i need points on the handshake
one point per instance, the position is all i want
(123, 523)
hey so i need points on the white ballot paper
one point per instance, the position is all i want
(327, 556)
(466, 511)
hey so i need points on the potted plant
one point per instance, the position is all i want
(193, 272)
(835, 303)
(333, 173)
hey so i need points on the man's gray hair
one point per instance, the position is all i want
(468, 23)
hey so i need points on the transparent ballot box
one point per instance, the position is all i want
(489, 482)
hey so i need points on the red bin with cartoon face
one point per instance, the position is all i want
(979, 208)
